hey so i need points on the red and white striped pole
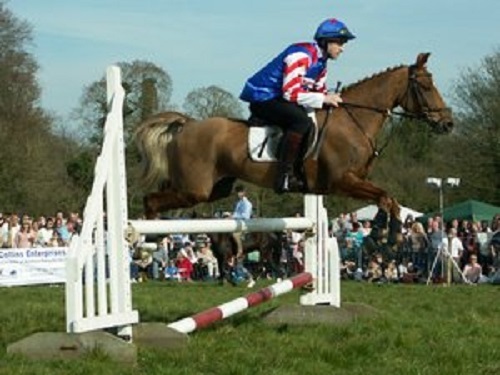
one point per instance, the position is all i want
(207, 317)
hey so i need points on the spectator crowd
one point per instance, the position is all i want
(424, 250)
(24, 231)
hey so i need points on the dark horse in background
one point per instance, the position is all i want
(188, 161)
(269, 245)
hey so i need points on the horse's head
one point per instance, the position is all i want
(423, 100)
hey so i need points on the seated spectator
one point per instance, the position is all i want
(160, 260)
(239, 273)
(391, 272)
(55, 240)
(473, 272)
(143, 259)
(172, 272)
(184, 265)
(207, 262)
(349, 271)
(374, 272)
(410, 275)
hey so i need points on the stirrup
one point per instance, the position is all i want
(289, 183)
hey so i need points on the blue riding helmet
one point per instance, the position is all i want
(333, 29)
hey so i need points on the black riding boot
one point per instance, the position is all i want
(290, 150)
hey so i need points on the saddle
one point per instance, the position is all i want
(264, 140)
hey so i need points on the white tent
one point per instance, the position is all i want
(369, 212)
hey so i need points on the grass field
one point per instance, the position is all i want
(419, 330)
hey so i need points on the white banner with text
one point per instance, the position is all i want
(42, 265)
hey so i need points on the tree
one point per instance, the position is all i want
(477, 97)
(148, 90)
(32, 172)
(210, 102)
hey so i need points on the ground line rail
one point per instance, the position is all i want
(225, 310)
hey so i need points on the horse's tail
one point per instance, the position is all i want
(152, 138)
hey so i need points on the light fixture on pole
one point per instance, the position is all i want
(439, 183)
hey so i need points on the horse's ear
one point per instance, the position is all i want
(422, 59)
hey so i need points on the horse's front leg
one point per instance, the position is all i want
(358, 188)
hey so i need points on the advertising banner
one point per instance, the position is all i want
(43, 265)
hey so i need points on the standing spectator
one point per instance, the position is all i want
(42, 221)
(407, 225)
(298, 257)
(4, 229)
(495, 223)
(45, 233)
(60, 215)
(25, 237)
(367, 228)
(354, 241)
(353, 219)
(62, 231)
(419, 245)
(242, 211)
(436, 240)
(456, 252)
(12, 229)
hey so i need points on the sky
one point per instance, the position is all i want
(222, 42)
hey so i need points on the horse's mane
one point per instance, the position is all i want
(375, 75)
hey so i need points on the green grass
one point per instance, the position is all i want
(419, 330)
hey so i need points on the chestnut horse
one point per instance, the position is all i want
(190, 161)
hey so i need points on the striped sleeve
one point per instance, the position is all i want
(294, 87)
(320, 85)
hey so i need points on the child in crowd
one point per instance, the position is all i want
(239, 273)
(172, 272)
(391, 272)
(184, 265)
(374, 272)
(473, 272)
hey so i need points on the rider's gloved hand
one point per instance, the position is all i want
(332, 99)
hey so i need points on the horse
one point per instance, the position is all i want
(269, 245)
(188, 161)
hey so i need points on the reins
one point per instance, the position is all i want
(413, 89)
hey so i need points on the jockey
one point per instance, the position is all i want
(293, 82)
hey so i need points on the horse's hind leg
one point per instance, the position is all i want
(222, 189)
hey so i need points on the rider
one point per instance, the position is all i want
(283, 90)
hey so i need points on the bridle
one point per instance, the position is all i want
(414, 91)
